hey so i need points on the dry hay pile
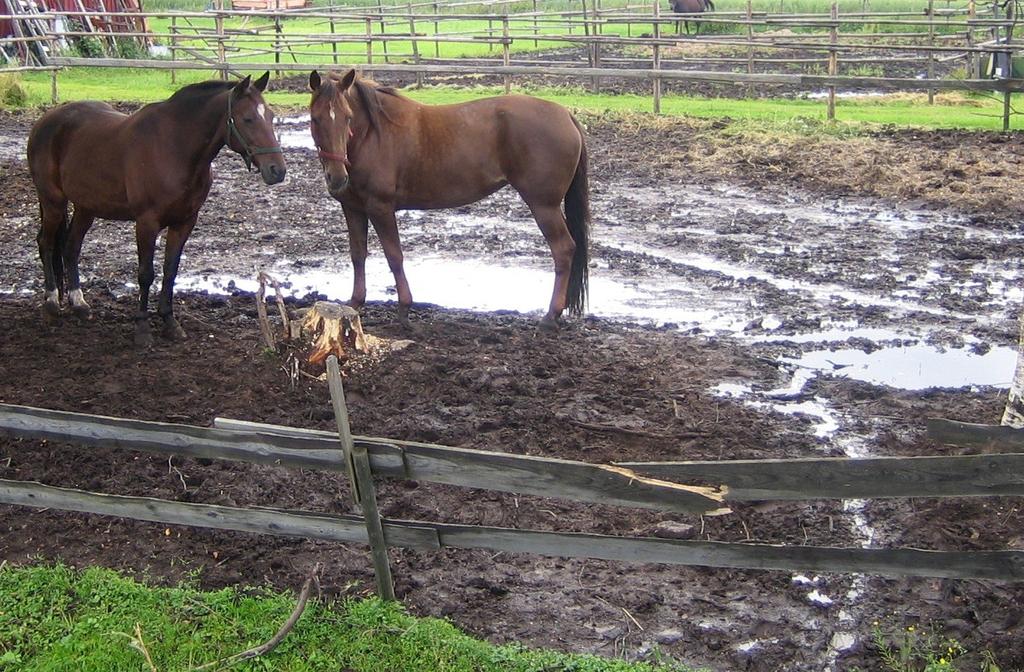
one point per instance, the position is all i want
(975, 172)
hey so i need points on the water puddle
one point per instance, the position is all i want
(475, 285)
(915, 367)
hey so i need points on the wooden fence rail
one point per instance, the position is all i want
(995, 565)
(952, 34)
(752, 479)
(801, 80)
(545, 477)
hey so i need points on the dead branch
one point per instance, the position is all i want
(271, 644)
(261, 311)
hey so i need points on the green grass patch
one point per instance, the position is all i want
(58, 618)
(861, 113)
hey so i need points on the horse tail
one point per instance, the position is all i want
(577, 217)
(709, 5)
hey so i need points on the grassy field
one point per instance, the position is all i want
(862, 113)
(57, 618)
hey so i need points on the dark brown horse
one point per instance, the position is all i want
(152, 167)
(381, 152)
(690, 7)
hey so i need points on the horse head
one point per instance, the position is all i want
(251, 128)
(330, 123)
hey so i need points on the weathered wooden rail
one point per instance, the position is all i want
(632, 484)
(400, 37)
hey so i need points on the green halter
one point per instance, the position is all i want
(249, 150)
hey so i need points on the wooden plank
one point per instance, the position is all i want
(362, 485)
(162, 438)
(997, 565)
(524, 474)
(975, 435)
(845, 478)
(994, 565)
(809, 81)
(746, 480)
(546, 477)
(258, 521)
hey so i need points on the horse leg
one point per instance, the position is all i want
(386, 226)
(53, 215)
(80, 223)
(176, 237)
(358, 227)
(146, 232)
(552, 224)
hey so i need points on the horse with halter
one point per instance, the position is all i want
(152, 167)
(382, 152)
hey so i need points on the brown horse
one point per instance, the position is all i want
(381, 152)
(690, 7)
(152, 167)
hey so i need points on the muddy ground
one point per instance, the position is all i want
(665, 196)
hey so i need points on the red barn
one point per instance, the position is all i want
(101, 7)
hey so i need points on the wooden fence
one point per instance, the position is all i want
(708, 489)
(630, 42)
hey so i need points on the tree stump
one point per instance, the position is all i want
(333, 329)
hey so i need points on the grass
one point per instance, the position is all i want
(862, 113)
(57, 618)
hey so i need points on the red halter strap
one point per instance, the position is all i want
(331, 156)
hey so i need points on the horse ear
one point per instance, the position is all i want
(261, 83)
(347, 80)
(242, 85)
(314, 80)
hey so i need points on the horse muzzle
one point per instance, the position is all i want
(273, 173)
(337, 185)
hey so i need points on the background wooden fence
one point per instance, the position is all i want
(686, 487)
(634, 41)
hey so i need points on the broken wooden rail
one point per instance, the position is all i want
(946, 476)
(541, 476)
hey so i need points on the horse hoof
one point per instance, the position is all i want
(51, 309)
(549, 324)
(174, 332)
(143, 338)
(82, 312)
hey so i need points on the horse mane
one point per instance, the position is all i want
(369, 93)
(200, 90)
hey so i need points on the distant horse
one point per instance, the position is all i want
(381, 152)
(690, 7)
(152, 167)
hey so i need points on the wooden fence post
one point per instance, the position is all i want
(536, 25)
(383, 28)
(362, 483)
(656, 57)
(334, 43)
(973, 71)
(833, 59)
(415, 46)
(506, 57)
(221, 54)
(1011, 16)
(931, 54)
(750, 45)
(174, 44)
(277, 41)
(437, 29)
(54, 97)
(369, 41)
